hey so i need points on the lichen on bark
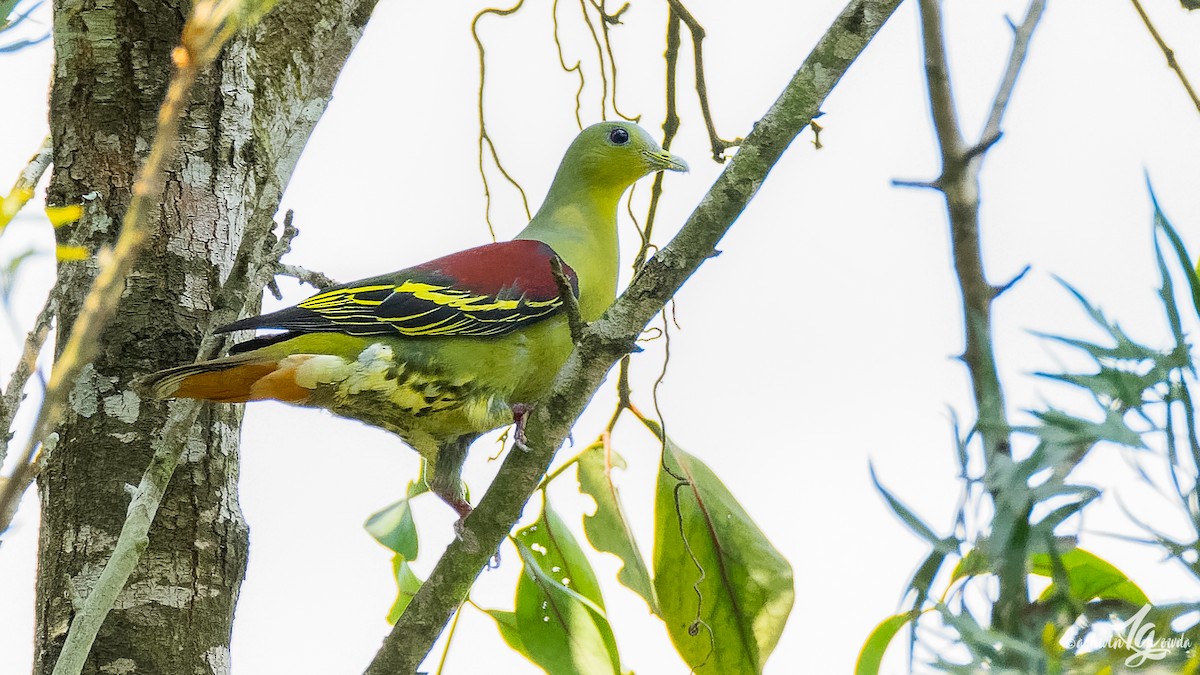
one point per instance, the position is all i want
(240, 140)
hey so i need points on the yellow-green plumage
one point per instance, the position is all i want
(442, 352)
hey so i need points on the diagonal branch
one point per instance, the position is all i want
(1172, 63)
(613, 335)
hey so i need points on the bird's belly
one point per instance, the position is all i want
(427, 393)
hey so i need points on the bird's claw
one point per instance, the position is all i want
(520, 413)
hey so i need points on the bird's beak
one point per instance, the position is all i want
(665, 161)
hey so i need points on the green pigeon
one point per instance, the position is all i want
(445, 351)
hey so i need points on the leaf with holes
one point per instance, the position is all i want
(608, 529)
(560, 620)
(726, 616)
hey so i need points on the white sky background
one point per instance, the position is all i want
(822, 338)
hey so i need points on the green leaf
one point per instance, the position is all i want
(914, 523)
(408, 584)
(876, 645)
(559, 628)
(1062, 429)
(1091, 578)
(725, 591)
(608, 529)
(1185, 260)
(506, 623)
(394, 526)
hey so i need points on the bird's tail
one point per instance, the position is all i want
(234, 379)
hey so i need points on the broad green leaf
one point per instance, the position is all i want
(608, 529)
(558, 627)
(876, 645)
(1091, 578)
(408, 584)
(506, 623)
(726, 616)
(394, 527)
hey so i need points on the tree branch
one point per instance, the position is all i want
(959, 183)
(614, 334)
(14, 393)
(1172, 63)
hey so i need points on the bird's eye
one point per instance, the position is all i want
(618, 136)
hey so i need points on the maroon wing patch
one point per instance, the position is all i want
(488, 290)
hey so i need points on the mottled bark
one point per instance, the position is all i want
(245, 127)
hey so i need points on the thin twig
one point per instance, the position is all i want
(562, 61)
(1172, 63)
(670, 128)
(27, 180)
(613, 335)
(719, 145)
(14, 393)
(484, 138)
(306, 276)
(570, 302)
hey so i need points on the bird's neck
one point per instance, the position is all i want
(580, 223)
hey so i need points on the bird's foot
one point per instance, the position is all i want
(463, 507)
(520, 413)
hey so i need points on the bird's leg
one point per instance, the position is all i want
(446, 478)
(520, 413)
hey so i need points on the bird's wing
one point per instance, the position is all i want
(489, 290)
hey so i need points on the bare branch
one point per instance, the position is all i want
(719, 146)
(614, 334)
(570, 302)
(304, 275)
(27, 180)
(14, 393)
(1172, 63)
(1016, 58)
(959, 183)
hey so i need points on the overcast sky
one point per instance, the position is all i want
(820, 340)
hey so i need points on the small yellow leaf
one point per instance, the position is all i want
(10, 205)
(71, 253)
(63, 215)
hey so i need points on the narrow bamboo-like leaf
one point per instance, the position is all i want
(1091, 578)
(906, 514)
(608, 529)
(1185, 260)
(725, 591)
(871, 656)
(408, 583)
(559, 628)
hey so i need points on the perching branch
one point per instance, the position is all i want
(27, 180)
(614, 334)
(1172, 63)
(959, 183)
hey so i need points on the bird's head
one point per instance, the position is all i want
(614, 155)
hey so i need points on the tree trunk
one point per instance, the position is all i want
(243, 132)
